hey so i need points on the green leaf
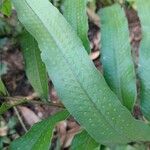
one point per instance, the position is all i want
(116, 55)
(129, 147)
(6, 7)
(7, 105)
(34, 67)
(83, 141)
(75, 13)
(80, 86)
(4, 107)
(39, 136)
(144, 56)
(3, 90)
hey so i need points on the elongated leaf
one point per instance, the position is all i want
(84, 141)
(79, 84)
(34, 67)
(75, 13)
(39, 136)
(116, 54)
(3, 90)
(144, 56)
(5, 7)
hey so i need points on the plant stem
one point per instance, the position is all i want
(20, 119)
(22, 100)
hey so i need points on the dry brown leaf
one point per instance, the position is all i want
(94, 55)
(70, 135)
(3, 131)
(32, 96)
(93, 16)
(29, 116)
(62, 129)
(66, 131)
(3, 128)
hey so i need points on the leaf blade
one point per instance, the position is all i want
(75, 13)
(38, 137)
(116, 57)
(83, 141)
(6, 7)
(93, 99)
(144, 53)
(34, 67)
(3, 90)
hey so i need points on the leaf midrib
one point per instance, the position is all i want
(76, 77)
(117, 68)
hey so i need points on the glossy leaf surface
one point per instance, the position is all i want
(116, 54)
(83, 141)
(39, 136)
(75, 13)
(143, 8)
(80, 86)
(34, 67)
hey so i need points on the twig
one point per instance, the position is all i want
(22, 100)
(15, 101)
(20, 119)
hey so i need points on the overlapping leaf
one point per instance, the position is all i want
(75, 13)
(39, 136)
(84, 141)
(80, 86)
(128, 147)
(143, 7)
(116, 54)
(34, 67)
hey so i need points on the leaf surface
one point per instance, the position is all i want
(130, 147)
(6, 7)
(143, 7)
(3, 90)
(116, 54)
(75, 13)
(80, 86)
(39, 136)
(34, 67)
(83, 141)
